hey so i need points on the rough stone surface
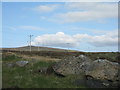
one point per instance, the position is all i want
(22, 63)
(43, 70)
(72, 65)
(99, 73)
(106, 73)
(103, 69)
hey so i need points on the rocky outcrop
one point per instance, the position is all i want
(98, 73)
(72, 65)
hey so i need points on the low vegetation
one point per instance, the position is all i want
(29, 75)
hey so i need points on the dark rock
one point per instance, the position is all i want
(90, 82)
(80, 82)
(94, 83)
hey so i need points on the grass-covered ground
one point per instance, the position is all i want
(29, 77)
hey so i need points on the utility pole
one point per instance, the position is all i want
(38, 46)
(30, 41)
(68, 46)
(27, 43)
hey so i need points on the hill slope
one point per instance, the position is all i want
(35, 48)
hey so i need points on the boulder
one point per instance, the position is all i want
(105, 71)
(22, 63)
(72, 65)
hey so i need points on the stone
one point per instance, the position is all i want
(22, 63)
(72, 65)
(105, 72)
(43, 70)
(103, 69)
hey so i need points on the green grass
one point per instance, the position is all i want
(25, 77)
(11, 58)
(111, 56)
(43, 64)
(22, 77)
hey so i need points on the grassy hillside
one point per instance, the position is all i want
(111, 56)
(35, 48)
(30, 76)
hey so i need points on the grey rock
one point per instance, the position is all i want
(103, 69)
(10, 65)
(99, 73)
(43, 70)
(105, 72)
(72, 65)
(22, 63)
(93, 83)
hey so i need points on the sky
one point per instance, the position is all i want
(60, 0)
(83, 26)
